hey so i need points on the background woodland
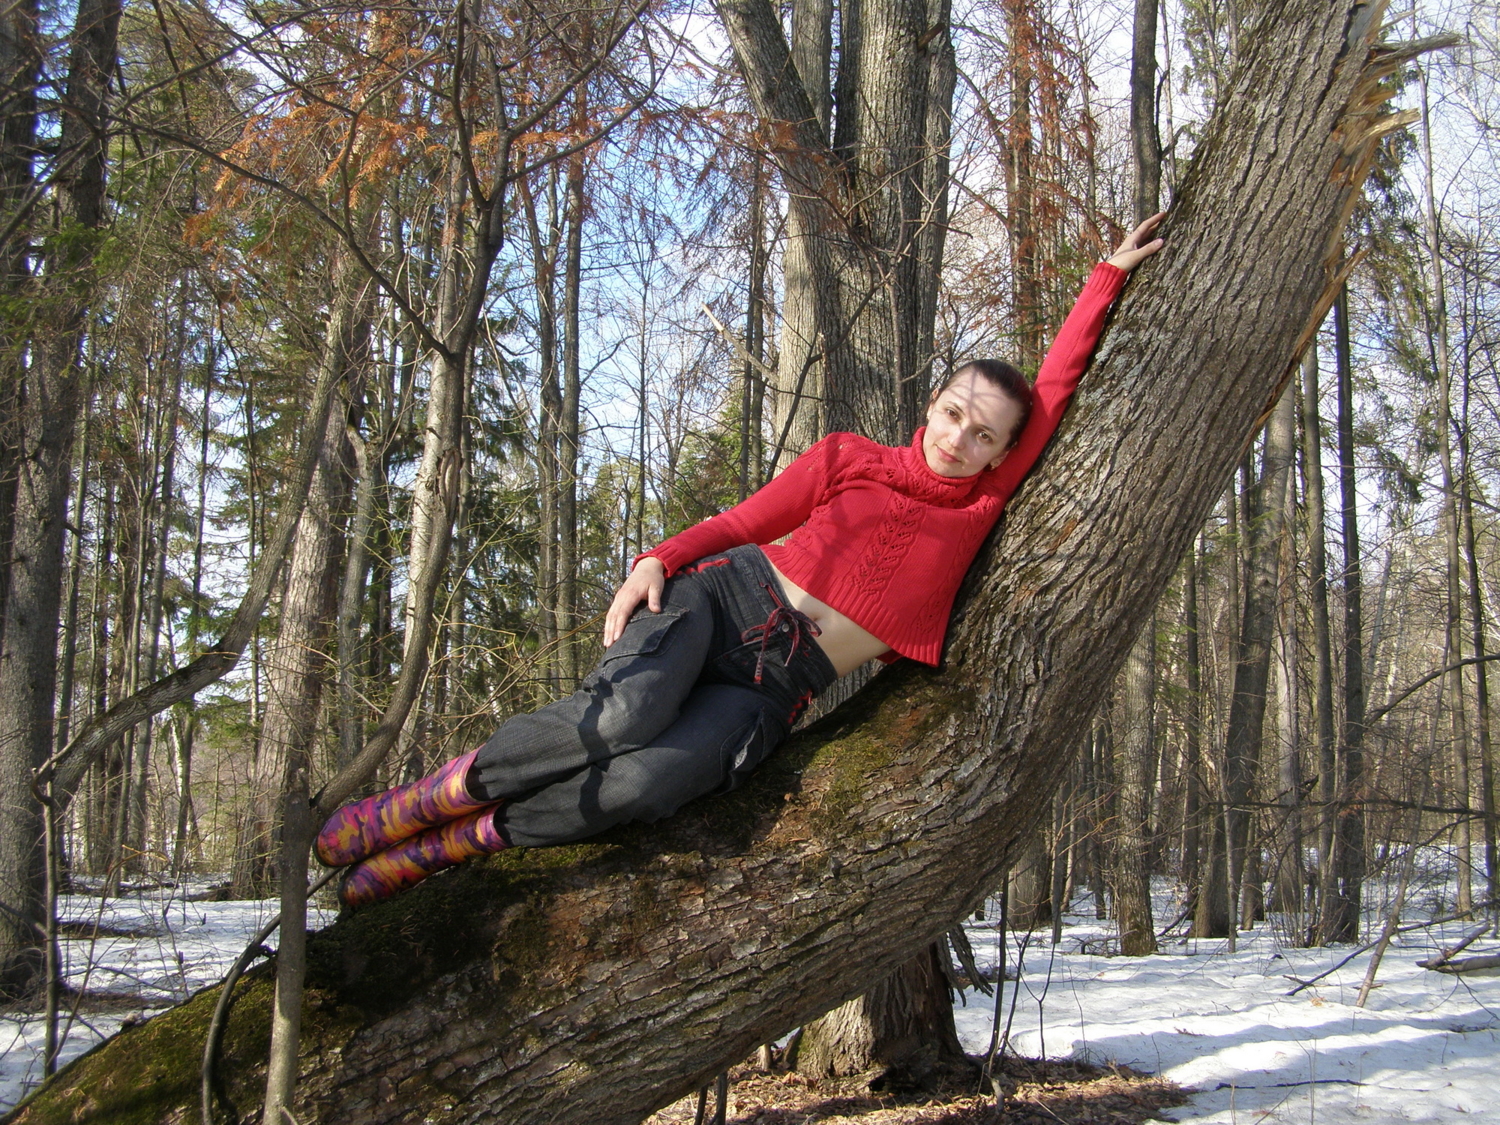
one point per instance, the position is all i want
(350, 354)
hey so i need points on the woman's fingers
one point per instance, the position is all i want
(1141, 253)
(645, 584)
(1139, 245)
(1138, 238)
(1142, 234)
(619, 613)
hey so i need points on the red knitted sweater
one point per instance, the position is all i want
(875, 533)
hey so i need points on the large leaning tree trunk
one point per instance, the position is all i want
(504, 990)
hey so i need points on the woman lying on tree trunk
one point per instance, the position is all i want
(738, 635)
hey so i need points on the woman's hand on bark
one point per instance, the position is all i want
(644, 585)
(1139, 244)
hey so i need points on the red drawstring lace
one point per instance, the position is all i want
(783, 619)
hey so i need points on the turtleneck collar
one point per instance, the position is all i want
(934, 486)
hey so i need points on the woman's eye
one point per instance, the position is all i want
(985, 437)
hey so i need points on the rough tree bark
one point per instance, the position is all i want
(1340, 907)
(1130, 841)
(1244, 742)
(904, 1022)
(863, 204)
(1028, 884)
(50, 395)
(503, 990)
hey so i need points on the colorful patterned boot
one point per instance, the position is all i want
(406, 864)
(369, 826)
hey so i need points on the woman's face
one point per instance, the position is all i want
(969, 425)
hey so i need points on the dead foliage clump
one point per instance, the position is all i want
(1036, 1091)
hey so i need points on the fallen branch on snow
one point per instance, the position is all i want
(1467, 964)
(1369, 945)
(1451, 952)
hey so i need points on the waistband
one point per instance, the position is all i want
(765, 615)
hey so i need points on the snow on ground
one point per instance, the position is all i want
(1426, 1047)
(147, 950)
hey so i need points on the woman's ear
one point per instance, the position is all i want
(995, 463)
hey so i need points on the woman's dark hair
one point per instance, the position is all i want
(1004, 378)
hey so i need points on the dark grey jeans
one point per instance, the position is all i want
(685, 703)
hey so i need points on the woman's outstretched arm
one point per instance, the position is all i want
(1070, 353)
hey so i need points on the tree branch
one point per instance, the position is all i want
(1380, 713)
(67, 767)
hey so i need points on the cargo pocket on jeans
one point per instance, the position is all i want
(753, 745)
(644, 633)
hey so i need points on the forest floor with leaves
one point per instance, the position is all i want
(1126, 1040)
(1037, 1092)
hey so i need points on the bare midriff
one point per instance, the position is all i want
(846, 644)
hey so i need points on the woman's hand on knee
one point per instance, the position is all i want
(644, 585)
